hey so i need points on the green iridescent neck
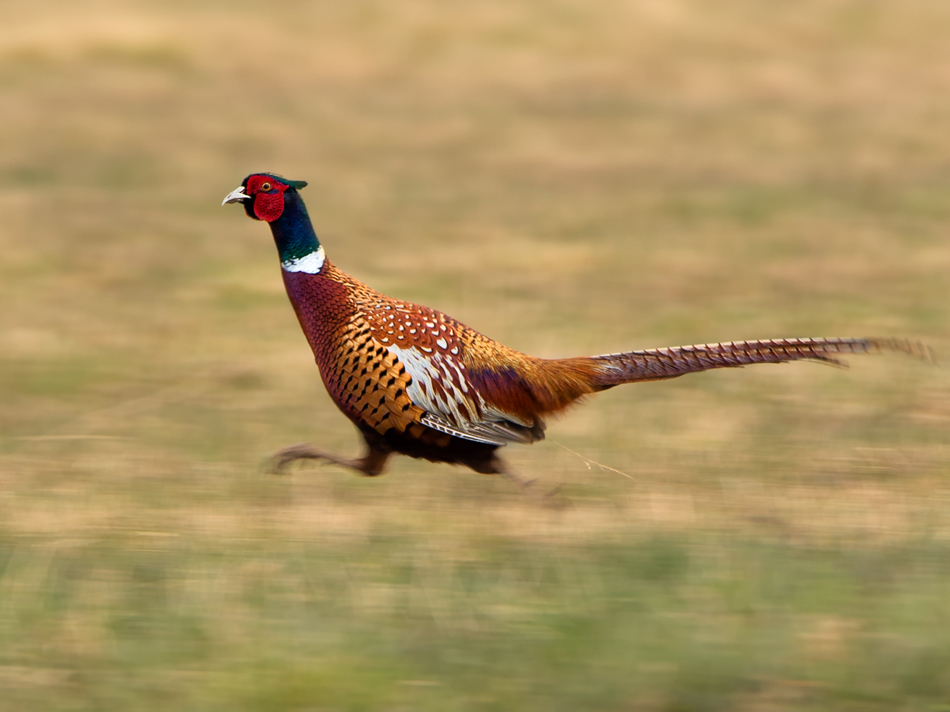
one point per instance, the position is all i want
(293, 232)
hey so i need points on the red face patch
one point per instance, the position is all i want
(268, 196)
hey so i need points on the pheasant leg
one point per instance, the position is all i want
(528, 486)
(371, 464)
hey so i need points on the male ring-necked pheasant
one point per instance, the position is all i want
(417, 382)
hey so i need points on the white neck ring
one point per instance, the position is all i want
(311, 264)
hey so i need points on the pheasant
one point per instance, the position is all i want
(417, 382)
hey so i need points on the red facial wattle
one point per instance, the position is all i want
(268, 197)
(269, 206)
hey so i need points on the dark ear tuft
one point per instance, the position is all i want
(298, 184)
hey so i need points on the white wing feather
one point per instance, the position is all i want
(452, 404)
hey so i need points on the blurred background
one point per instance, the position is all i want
(567, 177)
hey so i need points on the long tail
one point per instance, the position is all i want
(655, 364)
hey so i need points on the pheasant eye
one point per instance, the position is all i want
(265, 186)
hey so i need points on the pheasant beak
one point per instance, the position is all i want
(236, 196)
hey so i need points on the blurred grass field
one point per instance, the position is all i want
(565, 177)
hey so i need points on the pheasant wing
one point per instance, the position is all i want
(429, 346)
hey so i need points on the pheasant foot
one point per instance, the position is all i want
(528, 487)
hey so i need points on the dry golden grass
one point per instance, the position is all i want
(568, 178)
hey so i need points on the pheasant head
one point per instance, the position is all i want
(263, 195)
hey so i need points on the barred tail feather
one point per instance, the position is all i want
(656, 364)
